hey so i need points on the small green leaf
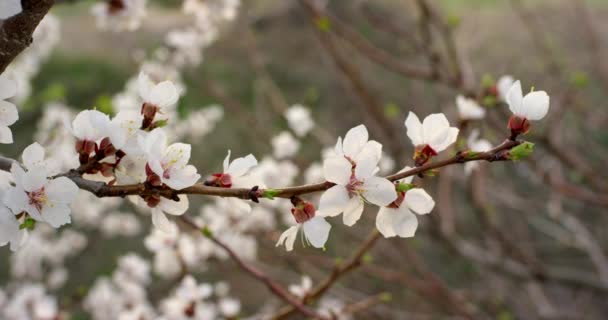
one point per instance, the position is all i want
(386, 297)
(270, 193)
(207, 232)
(104, 104)
(403, 187)
(161, 123)
(391, 110)
(323, 24)
(579, 79)
(367, 258)
(521, 151)
(28, 224)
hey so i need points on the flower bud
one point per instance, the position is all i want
(518, 125)
(422, 154)
(152, 201)
(221, 180)
(302, 210)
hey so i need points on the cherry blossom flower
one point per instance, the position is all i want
(355, 179)
(397, 218)
(9, 228)
(284, 145)
(43, 199)
(89, 127)
(161, 206)
(119, 15)
(301, 290)
(9, 8)
(431, 136)
(315, 228)
(168, 164)
(469, 109)
(236, 173)
(299, 120)
(8, 111)
(503, 85)
(533, 106)
(476, 145)
(158, 98)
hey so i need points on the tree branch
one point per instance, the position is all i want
(16, 32)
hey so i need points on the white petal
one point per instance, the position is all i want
(227, 162)
(33, 155)
(156, 167)
(160, 221)
(515, 98)
(164, 94)
(240, 166)
(536, 105)
(176, 208)
(17, 172)
(333, 201)
(316, 231)
(435, 128)
(34, 179)
(379, 191)
(61, 190)
(385, 221)
(6, 135)
(367, 160)
(155, 143)
(353, 211)
(56, 214)
(405, 223)
(9, 228)
(8, 113)
(178, 154)
(288, 237)
(448, 139)
(338, 148)
(144, 85)
(182, 178)
(355, 140)
(8, 87)
(418, 201)
(337, 170)
(503, 85)
(414, 129)
(16, 199)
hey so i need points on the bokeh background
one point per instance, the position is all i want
(522, 240)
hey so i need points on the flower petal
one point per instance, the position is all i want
(160, 221)
(536, 105)
(62, 190)
(515, 98)
(8, 87)
(379, 191)
(355, 140)
(419, 201)
(316, 231)
(56, 214)
(367, 160)
(34, 179)
(333, 201)
(176, 208)
(450, 137)
(226, 163)
(33, 155)
(288, 237)
(385, 221)
(8, 113)
(353, 211)
(6, 135)
(414, 129)
(240, 166)
(337, 170)
(164, 94)
(405, 223)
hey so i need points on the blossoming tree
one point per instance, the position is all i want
(92, 169)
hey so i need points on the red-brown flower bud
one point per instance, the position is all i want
(518, 125)
(152, 201)
(221, 180)
(423, 153)
(148, 111)
(302, 210)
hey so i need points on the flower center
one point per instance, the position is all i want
(37, 198)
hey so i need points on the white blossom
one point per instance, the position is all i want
(532, 106)
(355, 179)
(469, 109)
(503, 85)
(284, 145)
(299, 120)
(8, 111)
(434, 132)
(397, 219)
(315, 231)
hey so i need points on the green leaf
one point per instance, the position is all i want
(270, 193)
(104, 104)
(161, 123)
(404, 187)
(391, 110)
(207, 232)
(28, 224)
(323, 24)
(521, 151)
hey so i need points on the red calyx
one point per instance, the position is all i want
(302, 210)
(148, 111)
(518, 125)
(423, 154)
(221, 180)
(115, 6)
